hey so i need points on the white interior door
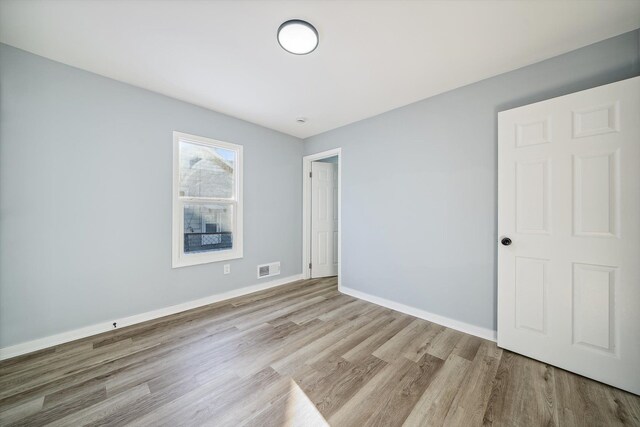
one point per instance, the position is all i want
(569, 199)
(324, 219)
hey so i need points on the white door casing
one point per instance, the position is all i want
(569, 199)
(324, 219)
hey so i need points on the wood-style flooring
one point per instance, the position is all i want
(298, 355)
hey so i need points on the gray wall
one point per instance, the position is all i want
(85, 199)
(419, 183)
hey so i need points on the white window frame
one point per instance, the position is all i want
(179, 258)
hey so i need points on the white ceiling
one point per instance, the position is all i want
(373, 55)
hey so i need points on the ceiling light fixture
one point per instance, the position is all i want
(298, 37)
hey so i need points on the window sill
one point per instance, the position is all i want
(205, 258)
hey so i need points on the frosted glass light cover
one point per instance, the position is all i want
(298, 37)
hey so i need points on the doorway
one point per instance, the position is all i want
(321, 241)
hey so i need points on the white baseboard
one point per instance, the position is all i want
(87, 331)
(478, 331)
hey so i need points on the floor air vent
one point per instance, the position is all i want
(268, 270)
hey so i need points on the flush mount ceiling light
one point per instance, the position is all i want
(298, 37)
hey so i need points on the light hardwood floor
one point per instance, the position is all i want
(301, 354)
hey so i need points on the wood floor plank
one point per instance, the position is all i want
(467, 346)
(86, 393)
(252, 403)
(419, 346)
(300, 354)
(522, 389)
(159, 396)
(79, 374)
(261, 358)
(627, 406)
(271, 313)
(339, 329)
(586, 402)
(364, 404)
(434, 404)
(180, 409)
(443, 344)
(19, 412)
(377, 339)
(388, 395)
(355, 306)
(335, 380)
(401, 399)
(397, 345)
(10, 382)
(292, 409)
(469, 405)
(102, 409)
(354, 339)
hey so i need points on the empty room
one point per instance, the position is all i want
(320, 213)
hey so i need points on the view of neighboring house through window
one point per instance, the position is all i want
(207, 203)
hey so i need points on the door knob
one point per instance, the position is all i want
(505, 241)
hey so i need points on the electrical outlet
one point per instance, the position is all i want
(227, 268)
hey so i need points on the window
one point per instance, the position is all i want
(207, 200)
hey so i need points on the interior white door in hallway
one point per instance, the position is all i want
(324, 219)
(569, 201)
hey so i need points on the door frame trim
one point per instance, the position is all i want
(306, 210)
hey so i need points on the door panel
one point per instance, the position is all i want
(531, 293)
(594, 306)
(569, 199)
(532, 196)
(596, 120)
(533, 133)
(596, 194)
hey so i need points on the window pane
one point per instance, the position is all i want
(206, 171)
(208, 227)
